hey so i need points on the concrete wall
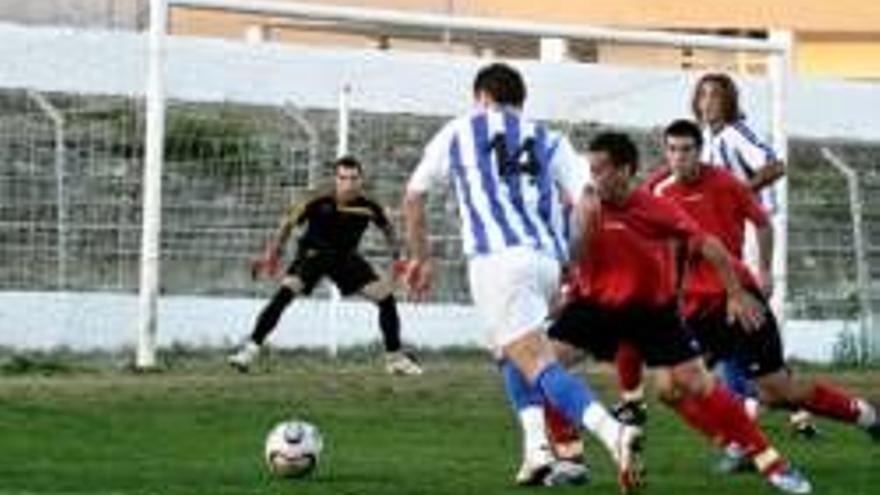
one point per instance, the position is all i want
(95, 62)
(101, 321)
(106, 321)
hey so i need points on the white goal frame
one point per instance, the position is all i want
(778, 48)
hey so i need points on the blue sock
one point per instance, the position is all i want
(519, 392)
(565, 392)
(734, 376)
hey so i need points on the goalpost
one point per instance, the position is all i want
(565, 105)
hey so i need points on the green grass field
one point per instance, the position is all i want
(198, 429)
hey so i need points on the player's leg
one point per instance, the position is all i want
(689, 389)
(580, 327)
(763, 355)
(512, 290)
(526, 402)
(733, 375)
(719, 345)
(354, 274)
(532, 355)
(291, 285)
(713, 410)
(820, 397)
(629, 365)
(737, 378)
(632, 410)
(565, 438)
(301, 277)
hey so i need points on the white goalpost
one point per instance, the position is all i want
(366, 75)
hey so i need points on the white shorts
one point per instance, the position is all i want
(512, 290)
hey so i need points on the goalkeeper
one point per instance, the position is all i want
(335, 223)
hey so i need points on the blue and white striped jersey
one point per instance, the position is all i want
(510, 176)
(739, 149)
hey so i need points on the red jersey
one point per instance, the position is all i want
(721, 205)
(629, 261)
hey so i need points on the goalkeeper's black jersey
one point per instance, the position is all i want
(332, 226)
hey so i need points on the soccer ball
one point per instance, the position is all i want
(293, 448)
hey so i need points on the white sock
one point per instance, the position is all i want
(536, 448)
(604, 426)
(867, 414)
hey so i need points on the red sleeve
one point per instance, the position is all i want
(680, 224)
(662, 218)
(748, 202)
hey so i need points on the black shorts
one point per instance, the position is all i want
(349, 271)
(658, 333)
(759, 351)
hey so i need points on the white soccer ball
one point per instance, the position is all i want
(293, 449)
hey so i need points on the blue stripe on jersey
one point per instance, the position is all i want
(545, 187)
(725, 158)
(567, 210)
(481, 243)
(752, 138)
(514, 180)
(748, 171)
(552, 150)
(480, 129)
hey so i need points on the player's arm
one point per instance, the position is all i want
(586, 218)
(419, 273)
(758, 217)
(432, 171)
(282, 234)
(296, 215)
(380, 219)
(741, 306)
(672, 222)
(767, 175)
(268, 262)
(764, 235)
(571, 173)
(759, 156)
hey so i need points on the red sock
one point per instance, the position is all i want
(629, 368)
(559, 429)
(832, 402)
(692, 411)
(721, 416)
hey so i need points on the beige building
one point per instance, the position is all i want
(839, 38)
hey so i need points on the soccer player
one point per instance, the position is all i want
(509, 174)
(730, 142)
(722, 205)
(334, 224)
(626, 290)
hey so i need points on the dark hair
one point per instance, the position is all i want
(620, 149)
(348, 161)
(730, 100)
(684, 128)
(503, 83)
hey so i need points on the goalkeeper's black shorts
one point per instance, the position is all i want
(349, 271)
